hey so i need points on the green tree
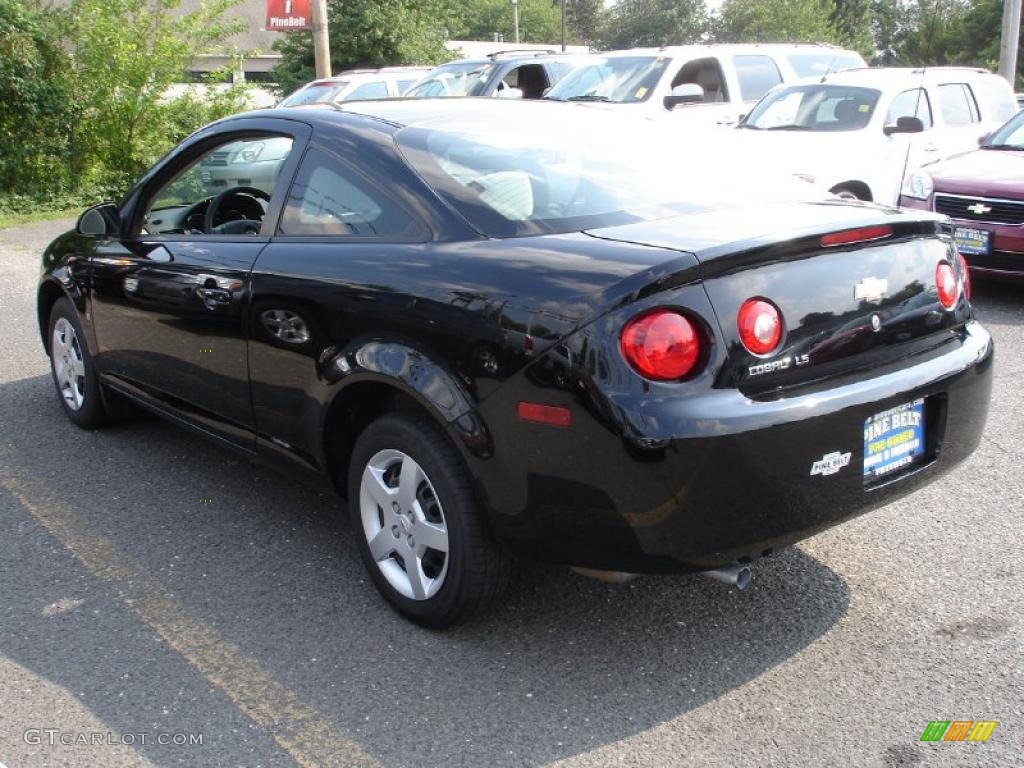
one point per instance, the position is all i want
(932, 31)
(635, 23)
(586, 20)
(36, 99)
(125, 55)
(851, 20)
(776, 21)
(369, 33)
(540, 21)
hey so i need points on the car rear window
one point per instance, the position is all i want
(525, 177)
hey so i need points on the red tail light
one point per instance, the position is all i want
(860, 235)
(760, 326)
(946, 284)
(965, 272)
(661, 345)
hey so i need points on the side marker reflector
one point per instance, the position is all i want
(536, 413)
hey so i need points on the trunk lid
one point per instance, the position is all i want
(844, 308)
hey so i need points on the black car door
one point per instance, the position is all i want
(170, 298)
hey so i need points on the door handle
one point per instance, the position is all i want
(211, 293)
(214, 296)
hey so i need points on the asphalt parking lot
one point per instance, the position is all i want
(154, 588)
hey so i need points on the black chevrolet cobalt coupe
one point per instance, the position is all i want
(501, 329)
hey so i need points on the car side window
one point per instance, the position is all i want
(757, 75)
(328, 198)
(375, 90)
(958, 105)
(707, 73)
(911, 103)
(225, 191)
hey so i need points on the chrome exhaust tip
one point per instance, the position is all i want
(735, 575)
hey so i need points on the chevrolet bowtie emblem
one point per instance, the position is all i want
(979, 208)
(870, 289)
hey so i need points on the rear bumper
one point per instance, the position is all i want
(710, 479)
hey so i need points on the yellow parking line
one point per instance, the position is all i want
(299, 728)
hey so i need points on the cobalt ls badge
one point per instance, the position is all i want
(830, 463)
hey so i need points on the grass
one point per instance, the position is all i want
(9, 219)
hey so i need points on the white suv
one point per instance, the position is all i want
(860, 132)
(356, 85)
(702, 84)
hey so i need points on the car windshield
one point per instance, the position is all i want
(816, 107)
(524, 175)
(822, 62)
(321, 93)
(620, 79)
(457, 79)
(1010, 136)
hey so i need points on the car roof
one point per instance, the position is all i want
(707, 49)
(516, 56)
(422, 112)
(347, 74)
(885, 78)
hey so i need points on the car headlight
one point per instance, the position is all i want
(918, 185)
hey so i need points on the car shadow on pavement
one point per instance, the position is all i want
(562, 666)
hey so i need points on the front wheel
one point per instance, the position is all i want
(419, 527)
(73, 370)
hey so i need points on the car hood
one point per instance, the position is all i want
(982, 172)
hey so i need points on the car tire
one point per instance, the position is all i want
(404, 460)
(72, 368)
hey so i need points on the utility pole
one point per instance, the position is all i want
(1010, 41)
(515, 16)
(321, 42)
(563, 24)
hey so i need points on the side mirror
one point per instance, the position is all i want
(983, 138)
(510, 93)
(904, 125)
(687, 93)
(103, 220)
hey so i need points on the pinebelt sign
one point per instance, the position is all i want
(288, 15)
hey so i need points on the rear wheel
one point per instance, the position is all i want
(73, 370)
(418, 525)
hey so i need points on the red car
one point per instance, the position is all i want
(983, 192)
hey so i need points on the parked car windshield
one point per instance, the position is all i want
(456, 79)
(524, 176)
(323, 93)
(1010, 136)
(817, 107)
(620, 79)
(811, 64)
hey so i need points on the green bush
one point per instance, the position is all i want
(84, 105)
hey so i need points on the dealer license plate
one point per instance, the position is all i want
(970, 240)
(893, 439)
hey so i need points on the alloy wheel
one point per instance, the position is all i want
(68, 364)
(404, 524)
